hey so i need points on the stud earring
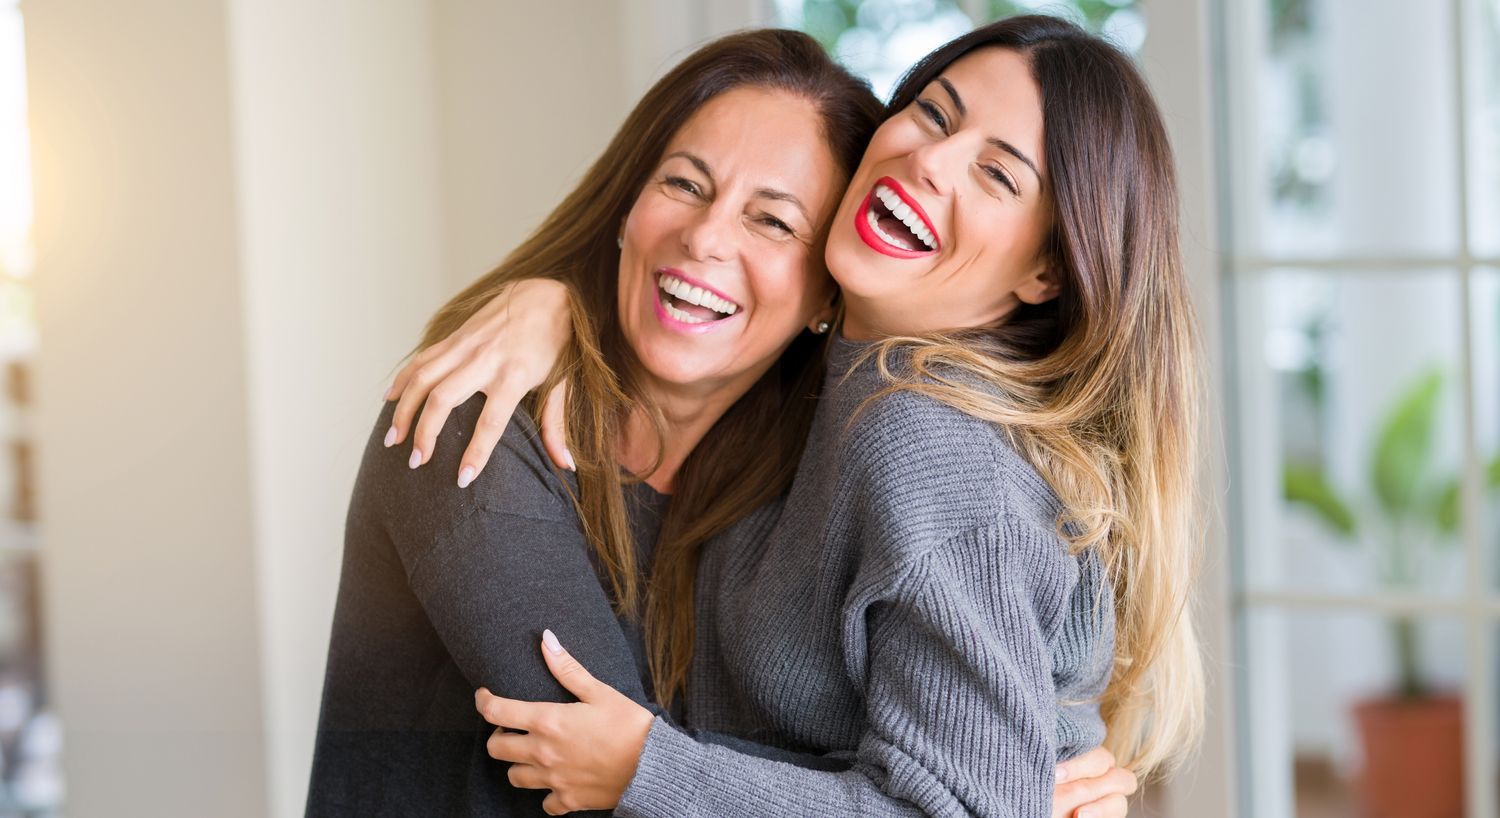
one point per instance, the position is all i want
(821, 328)
(620, 242)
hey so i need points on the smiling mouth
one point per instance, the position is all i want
(896, 223)
(692, 305)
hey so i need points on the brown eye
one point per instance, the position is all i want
(1001, 177)
(778, 224)
(685, 185)
(934, 113)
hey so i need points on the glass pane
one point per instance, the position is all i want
(1485, 314)
(880, 39)
(1343, 128)
(1350, 431)
(1329, 730)
(1483, 112)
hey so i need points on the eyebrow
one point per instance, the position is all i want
(763, 193)
(999, 143)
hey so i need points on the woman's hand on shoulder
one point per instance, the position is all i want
(504, 350)
(1091, 786)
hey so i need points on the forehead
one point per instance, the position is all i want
(1001, 96)
(762, 138)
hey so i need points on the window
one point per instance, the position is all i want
(1363, 146)
(880, 39)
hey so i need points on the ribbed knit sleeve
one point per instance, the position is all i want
(960, 707)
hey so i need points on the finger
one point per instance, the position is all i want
(553, 805)
(454, 390)
(499, 405)
(503, 712)
(1114, 806)
(1094, 763)
(1075, 795)
(554, 426)
(404, 376)
(517, 747)
(526, 777)
(566, 669)
(424, 377)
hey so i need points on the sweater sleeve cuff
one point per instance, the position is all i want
(662, 785)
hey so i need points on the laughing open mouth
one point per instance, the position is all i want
(895, 225)
(692, 304)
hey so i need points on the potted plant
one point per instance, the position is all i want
(1412, 737)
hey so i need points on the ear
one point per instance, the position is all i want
(826, 313)
(1041, 286)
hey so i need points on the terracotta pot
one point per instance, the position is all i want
(1414, 757)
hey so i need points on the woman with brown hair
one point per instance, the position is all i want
(997, 489)
(445, 589)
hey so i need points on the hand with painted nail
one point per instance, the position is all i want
(1091, 786)
(585, 752)
(505, 350)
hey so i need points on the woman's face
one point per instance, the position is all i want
(944, 224)
(721, 265)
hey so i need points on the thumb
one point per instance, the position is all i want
(566, 669)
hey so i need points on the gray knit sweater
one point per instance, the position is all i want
(908, 609)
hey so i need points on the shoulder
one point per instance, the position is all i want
(923, 458)
(518, 479)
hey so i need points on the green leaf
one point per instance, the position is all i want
(1308, 486)
(1445, 509)
(1404, 447)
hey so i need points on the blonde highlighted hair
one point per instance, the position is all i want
(1099, 388)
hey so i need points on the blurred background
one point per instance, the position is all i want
(223, 222)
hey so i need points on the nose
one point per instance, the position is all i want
(709, 236)
(932, 166)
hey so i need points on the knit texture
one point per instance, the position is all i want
(908, 609)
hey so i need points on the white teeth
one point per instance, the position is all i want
(682, 316)
(908, 216)
(676, 287)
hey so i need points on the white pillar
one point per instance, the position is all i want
(1176, 61)
(238, 233)
(143, 421)
(340, 259)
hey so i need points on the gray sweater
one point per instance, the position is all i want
(444, 590)
(909, 609)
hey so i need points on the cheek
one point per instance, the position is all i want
(785, 292)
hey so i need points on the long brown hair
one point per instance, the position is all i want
(1099, 387)
(750, 454)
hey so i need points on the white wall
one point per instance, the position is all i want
(149, 533)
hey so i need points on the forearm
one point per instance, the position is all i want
(678, 776)
(960, 714)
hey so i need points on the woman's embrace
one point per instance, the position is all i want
(856, 479)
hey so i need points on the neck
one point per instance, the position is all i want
(689, 415)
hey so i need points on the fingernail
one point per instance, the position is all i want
(568, 456)
(1062, 774)
(550, 640)
(390, 392)
(416, 458)
(390, 437)
(1087, 812)
(465, 477)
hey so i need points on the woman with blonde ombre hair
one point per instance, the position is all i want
(985, 558)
